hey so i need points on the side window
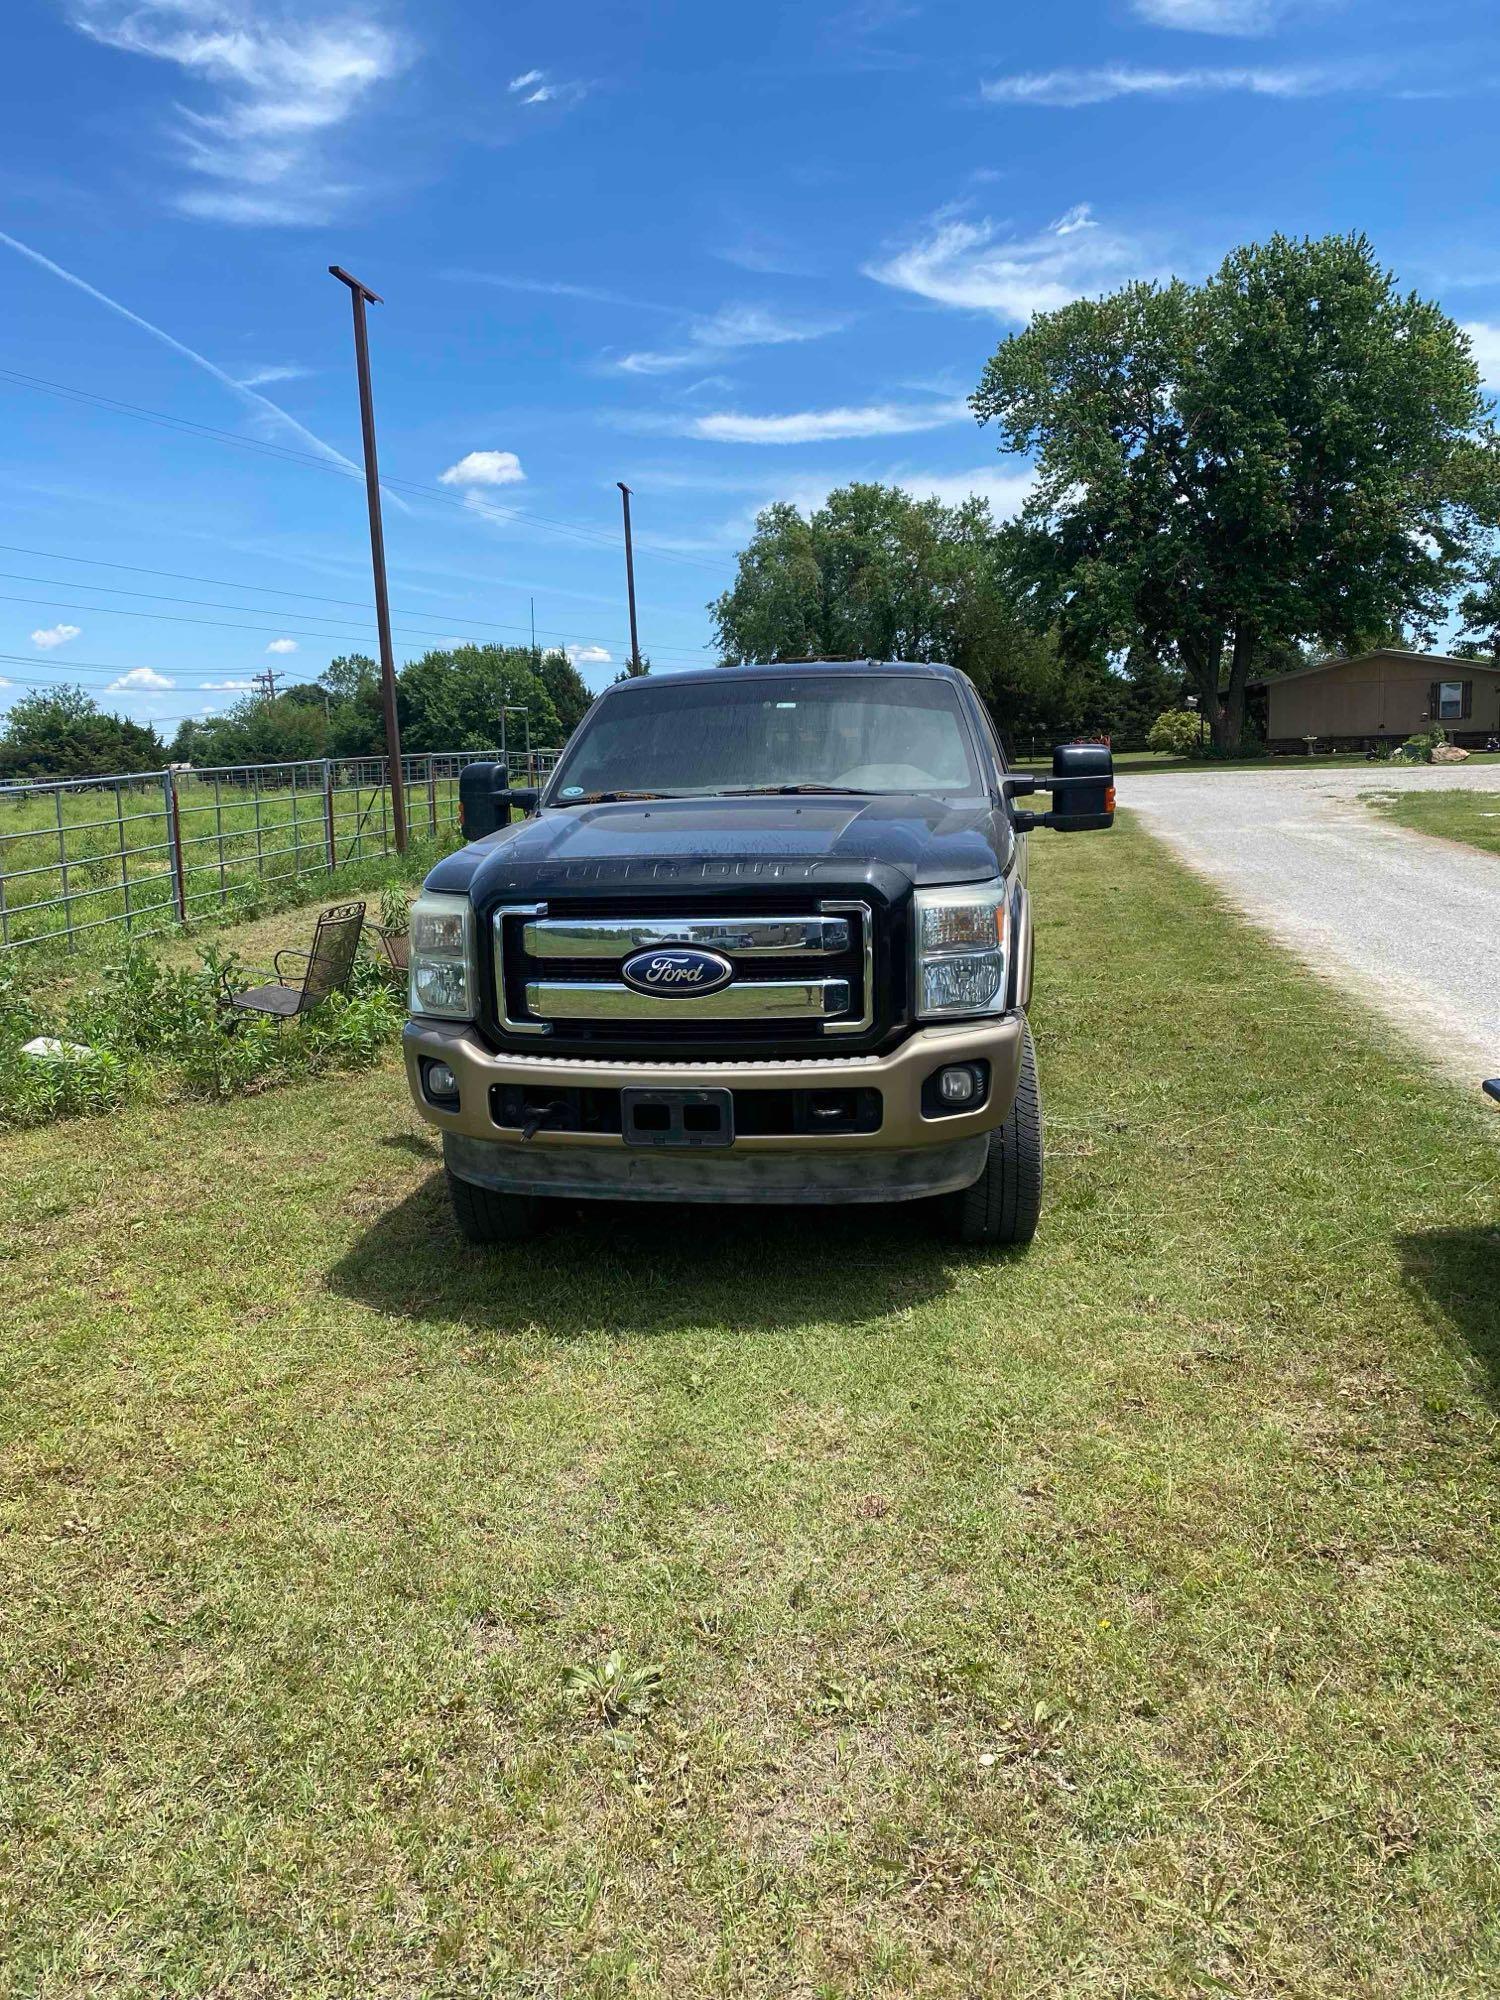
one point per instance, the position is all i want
(1451, 704)
(989, 742)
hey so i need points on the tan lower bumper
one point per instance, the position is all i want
(898, 1077)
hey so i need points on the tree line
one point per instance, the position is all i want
(449, 699)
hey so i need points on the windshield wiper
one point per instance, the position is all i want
(791, 791)
(606, 798)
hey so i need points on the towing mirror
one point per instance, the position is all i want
(1082, 783)
(484, 799)
(1083, 787)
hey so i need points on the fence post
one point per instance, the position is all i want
(174, 843)
(62, 863)
(124, 857)
(328, 814)
(432, 796)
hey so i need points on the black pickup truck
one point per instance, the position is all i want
(763, 937)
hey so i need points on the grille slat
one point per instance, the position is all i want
(524, 976)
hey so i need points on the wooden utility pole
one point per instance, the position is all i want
(635, 644)
(362, 295)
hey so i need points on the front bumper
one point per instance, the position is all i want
(910, 1155)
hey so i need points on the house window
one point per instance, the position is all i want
(1450, 701)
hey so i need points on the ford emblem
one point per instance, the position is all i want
(676, 972)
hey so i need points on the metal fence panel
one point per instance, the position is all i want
(144, 849)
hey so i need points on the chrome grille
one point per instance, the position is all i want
(814, 972)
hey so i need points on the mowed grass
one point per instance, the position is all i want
(1118, 1620)
(1472, 817)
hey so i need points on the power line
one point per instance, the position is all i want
(440, 622)
(601, 537)
(171, 618)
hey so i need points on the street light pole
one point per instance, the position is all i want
(635, 644)
(361, 295)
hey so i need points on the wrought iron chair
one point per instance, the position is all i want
(329, 965)
(397, 948)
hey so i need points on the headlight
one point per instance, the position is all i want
(961, 944)
(442, 956)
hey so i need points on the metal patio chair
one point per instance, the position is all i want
(396, 946)
(329, 965)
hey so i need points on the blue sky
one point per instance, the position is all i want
(728, 252)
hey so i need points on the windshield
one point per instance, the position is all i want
(740, 733)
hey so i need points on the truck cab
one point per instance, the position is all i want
(765, 936)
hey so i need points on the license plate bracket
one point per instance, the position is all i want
(677, 1117)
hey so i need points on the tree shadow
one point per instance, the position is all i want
(1459, 1270)
(648, 1268)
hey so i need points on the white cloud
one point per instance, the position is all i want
(483, 468)
(589, 656)
(55, 635)
(728, 331)
(261, 378)
(1066, 89)
(4, 683)
(1484, 338)
(1211, 17)
(820, 426)
(541, 88)
(280, 86)
(282, 646)
(138, 678)
(969, 264)
(210, 687)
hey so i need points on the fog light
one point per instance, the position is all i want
(441, 1082)
(957, 1085)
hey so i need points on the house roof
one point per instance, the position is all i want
(1438, 660)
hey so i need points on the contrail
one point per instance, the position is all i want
(251, 397)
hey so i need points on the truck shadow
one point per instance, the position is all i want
(648, 1268)
(1459, 1270)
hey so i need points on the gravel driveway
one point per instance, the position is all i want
(1410, 923)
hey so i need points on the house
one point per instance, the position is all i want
(1382, 696)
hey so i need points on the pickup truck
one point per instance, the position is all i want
(764, 936)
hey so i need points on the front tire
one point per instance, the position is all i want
(1004, 1204)
(485, 1215)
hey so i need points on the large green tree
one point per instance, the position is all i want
(451, 699)
(567, 687)
(875, 574)
(63, 733)
(1291, 451)
(256, 731)
(1479, 610)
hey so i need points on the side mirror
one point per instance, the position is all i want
(484, 799)
(1082, 787)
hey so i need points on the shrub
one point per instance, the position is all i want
(1419, 749)
(166, 1030)
(1177, 732)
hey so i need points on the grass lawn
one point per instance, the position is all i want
(1472, 817)
(1119, 1620)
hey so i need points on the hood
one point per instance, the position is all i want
(907, 839)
